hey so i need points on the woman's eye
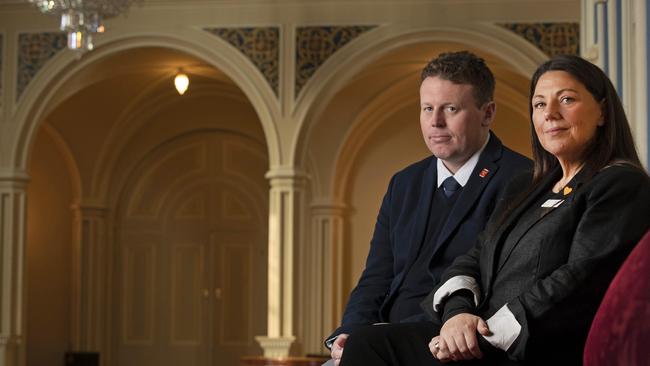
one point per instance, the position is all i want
(539, 105)
(566, 100)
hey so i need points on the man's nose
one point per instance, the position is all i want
(438, 118)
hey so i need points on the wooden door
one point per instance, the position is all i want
(191, 264)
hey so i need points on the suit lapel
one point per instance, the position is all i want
(485, 169)
(417, 232)
(423, 208)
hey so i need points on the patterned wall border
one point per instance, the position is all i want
(314, 45)
(261, 46)
(34, 50)
(552, 38)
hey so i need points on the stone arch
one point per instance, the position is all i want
(518, 54)
(43, 89)
(69, 159)
(344, 113)
(131, 119)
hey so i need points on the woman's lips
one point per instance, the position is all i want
(555, 130)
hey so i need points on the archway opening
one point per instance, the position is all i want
(122, 126)
(368, 131)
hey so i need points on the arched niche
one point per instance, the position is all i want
(360, 124)
(109, 111)
(513, 60)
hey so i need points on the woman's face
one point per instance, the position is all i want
(565, 115)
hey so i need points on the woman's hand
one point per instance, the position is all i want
(458, 338)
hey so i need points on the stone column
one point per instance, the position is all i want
(90, 280)
(286, 195)
(325, 280)
(614, 36)
(13, 217)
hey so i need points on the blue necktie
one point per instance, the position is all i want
(450, 186)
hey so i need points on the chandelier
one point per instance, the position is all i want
(81, 18)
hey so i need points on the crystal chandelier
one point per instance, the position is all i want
(81, 18)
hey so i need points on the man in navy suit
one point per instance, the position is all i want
(434, 209)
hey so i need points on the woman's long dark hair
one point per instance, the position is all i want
(613, 140)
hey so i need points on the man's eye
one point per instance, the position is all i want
(451, 108)
(427, 109)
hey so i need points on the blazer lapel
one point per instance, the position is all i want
(496, 240)
(485, 169)
(524, 226)
(423, 208)
(575, 184)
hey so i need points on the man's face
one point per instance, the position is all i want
(452, 124)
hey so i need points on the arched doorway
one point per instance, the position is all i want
(115, 113)
(190, 256)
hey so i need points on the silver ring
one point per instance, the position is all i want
(436, 345)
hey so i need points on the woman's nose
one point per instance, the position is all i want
(551, 112)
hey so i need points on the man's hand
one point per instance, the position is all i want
(337, 348)
(457, 340)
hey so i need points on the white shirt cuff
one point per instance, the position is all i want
(452, 285)
(504, 328)
(330, 342)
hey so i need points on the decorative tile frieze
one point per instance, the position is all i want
(314, 45)
(261, 45)
(552, 38)
(34, 50)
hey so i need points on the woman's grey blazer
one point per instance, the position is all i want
(540, 288)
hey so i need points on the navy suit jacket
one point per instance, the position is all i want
(401, 226)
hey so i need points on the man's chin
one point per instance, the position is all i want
(443, 155)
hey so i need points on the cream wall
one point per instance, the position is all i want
(49, 252)
(331, 148)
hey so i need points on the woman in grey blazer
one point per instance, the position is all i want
(528, 291)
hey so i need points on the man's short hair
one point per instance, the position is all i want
(463, 67)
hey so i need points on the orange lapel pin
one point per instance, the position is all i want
(483, 173)
(567, 190)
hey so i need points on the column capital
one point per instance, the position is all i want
(286, 173)
(13, 179)
(325, 206)
(93, 209)
(10, 340)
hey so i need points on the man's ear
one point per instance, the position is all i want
(489, 112)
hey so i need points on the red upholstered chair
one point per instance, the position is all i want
(620, 332)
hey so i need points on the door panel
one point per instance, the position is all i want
(191, 273)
